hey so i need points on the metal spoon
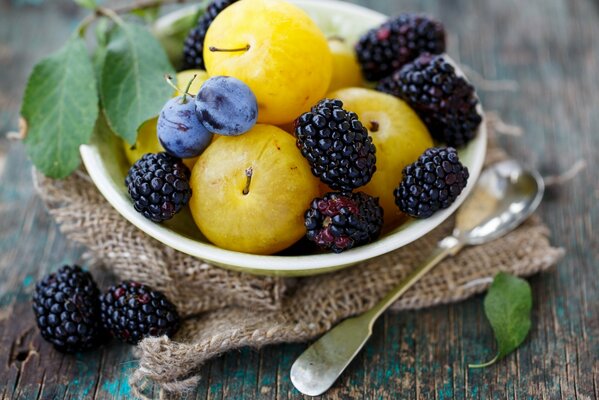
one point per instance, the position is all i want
(504, 196)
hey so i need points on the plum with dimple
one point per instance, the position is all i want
(179, 129)
(226, 106)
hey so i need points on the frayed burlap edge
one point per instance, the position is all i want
(318, 303)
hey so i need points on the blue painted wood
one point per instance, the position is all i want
(548, 46)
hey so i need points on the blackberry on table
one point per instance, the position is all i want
(432, 183)
(446, 102)
(67, 310)
(341, 221)
(383, 50)
(159, 186)
(132, 311)
(193, 47)
(336, 145)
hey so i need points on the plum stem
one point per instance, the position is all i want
(184, 100)
(248, 174)
(244, 48)
(169, 80)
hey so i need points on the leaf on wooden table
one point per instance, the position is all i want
(507, 306)
(60, 106)
(132, 85)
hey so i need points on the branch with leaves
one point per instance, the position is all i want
(71, 92)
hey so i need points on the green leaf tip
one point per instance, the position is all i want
(508, 304)
(60, 106)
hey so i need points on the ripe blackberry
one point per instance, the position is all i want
(132, 311)
(446, 102)
(432, 183)
(336, 145)
(67, 310)
(193, 47)
(383, 50)
(159, 186)
(341, 221)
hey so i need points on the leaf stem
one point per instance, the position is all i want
(484, 365)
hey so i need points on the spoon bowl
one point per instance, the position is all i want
(506, 194)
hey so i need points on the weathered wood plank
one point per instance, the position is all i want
(548, 46)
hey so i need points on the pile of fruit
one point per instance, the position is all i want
(275, 132)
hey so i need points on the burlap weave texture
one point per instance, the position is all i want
(228, 310)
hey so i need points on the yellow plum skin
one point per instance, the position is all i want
(288, 64)
(270, 217)
(346, 70)
(147, 142)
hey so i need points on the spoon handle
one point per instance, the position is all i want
(319, 366)
(446, 247)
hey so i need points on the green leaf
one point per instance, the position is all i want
(89, 4)
(507, 306)
(102, 31)
(132, 84)
(60, 106)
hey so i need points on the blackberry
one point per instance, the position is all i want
(432, 183)
(193, 47)
(132, 311)
(336, 145)
(67, 310)
(341, 221)
(383, 50)
(159, 186)
(446, 102)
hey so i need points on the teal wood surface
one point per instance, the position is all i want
(549, 47)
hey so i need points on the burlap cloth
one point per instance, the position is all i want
(226, 310)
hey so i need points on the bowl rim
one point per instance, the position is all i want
(287, 265)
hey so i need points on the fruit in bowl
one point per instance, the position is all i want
(356, 158)
(250, 191)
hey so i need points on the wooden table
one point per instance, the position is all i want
(549, 47)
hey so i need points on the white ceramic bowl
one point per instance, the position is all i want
(107, 167)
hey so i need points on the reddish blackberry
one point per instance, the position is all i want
(159, 186)
(446, 102)
(432, 183)
(336, 145)
(67, 310)
(132, 311)
(383, 50)
(193, 47)
(341, 221)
